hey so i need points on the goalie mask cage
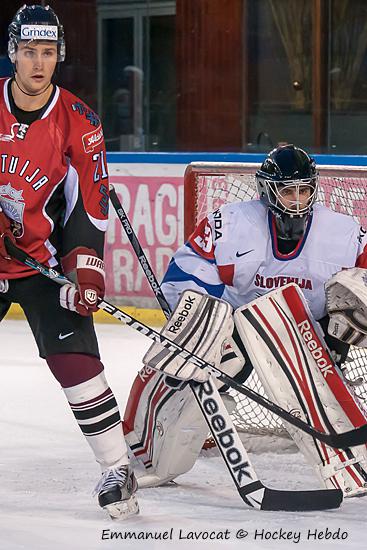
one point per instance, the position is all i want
(342, 188)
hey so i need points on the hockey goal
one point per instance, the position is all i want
(342, 188)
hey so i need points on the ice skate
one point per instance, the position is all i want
(116, 492)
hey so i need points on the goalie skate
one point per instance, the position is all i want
(116, 492)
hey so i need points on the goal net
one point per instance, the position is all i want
(342, 188)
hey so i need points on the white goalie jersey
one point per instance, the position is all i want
(233, 255)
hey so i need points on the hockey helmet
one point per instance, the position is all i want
(35, 23)
(288, 171)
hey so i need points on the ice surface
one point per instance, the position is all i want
(48, 473)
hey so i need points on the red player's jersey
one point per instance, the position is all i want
(53, 179)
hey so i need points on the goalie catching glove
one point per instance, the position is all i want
(200, 324)
(346, 303)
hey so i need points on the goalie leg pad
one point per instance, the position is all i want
(287, 349)
(164, 427)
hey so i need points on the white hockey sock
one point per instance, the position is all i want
(96, 411)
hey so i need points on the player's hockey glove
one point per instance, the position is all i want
(5, 231)
(83, 266)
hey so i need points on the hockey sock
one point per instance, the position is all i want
(93, 404)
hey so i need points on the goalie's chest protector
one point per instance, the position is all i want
(250, 264)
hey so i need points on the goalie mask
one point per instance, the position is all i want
(35, 23)
(287, 184)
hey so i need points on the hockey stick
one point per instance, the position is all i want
(355, 437)
(139, 252)
(207, 396)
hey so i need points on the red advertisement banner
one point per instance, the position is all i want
(154, 206)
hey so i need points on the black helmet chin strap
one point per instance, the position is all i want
(289, 228)
(26, 93)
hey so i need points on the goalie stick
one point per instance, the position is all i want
(351, 438)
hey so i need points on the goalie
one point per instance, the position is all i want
(245, 253)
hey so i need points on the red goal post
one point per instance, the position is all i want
(208, 185)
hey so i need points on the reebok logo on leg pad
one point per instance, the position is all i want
(318, 352)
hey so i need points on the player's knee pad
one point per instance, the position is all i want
(72, 369)
(288, 352)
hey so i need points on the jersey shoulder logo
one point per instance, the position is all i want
(202, 241)
(83, 110)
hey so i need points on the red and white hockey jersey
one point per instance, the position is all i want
(53, 179)
(233, 254)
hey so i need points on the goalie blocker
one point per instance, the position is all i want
(201, 326)
(289, 354)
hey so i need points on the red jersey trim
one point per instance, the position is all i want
(226, 273)
(362, 259)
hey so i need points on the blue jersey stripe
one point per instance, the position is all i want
(174, 274)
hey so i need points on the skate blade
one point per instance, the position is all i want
(123, 509)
